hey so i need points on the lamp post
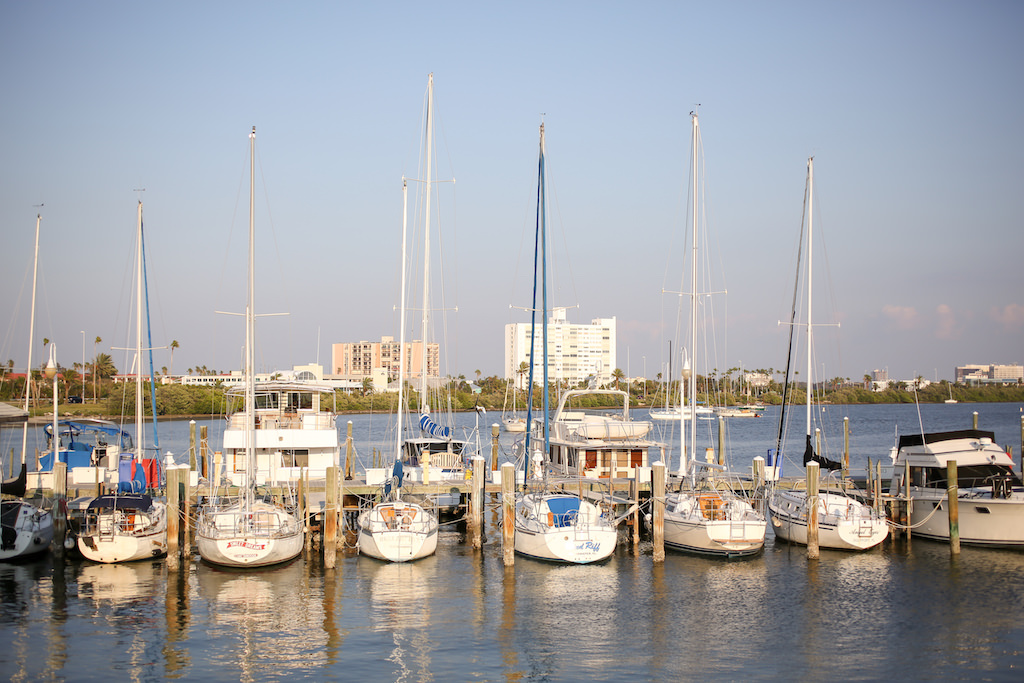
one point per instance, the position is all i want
(645, 378)
(83, 366)
(50, 371)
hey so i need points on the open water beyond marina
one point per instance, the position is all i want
(897, 612)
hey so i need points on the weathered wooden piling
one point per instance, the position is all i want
(508, 511)
(192, 445)
(494, 445)
(634, 519)
(331, 518)
(1022, 445)
(60, 494)
(721, 440)
(907, 503)
(349, 464)
(878, 486)
(174, 495)
(954, 507)
(476, 516)
(846, 450)
(204, 452)
(658, 503)
(217, 455)
(974, 419)
(813, 550)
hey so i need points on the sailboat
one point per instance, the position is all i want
(129, 524)
(25, 529)
(396, 530)
(674, 413)
(511, 420)
(705, 515)
(844, 523)
(551, 525)
(248, 531)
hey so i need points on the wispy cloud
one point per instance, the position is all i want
(904, 317)
(1010, 316)
(946, 327)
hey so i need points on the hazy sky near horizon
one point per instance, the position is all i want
(912, 110)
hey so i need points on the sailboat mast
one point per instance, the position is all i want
(250, 330)
(139, 431)
(424, 403)
(810, 308)
(31, 342)
(544, 288)
(693, 297)
(401, 324)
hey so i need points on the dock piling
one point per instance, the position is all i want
(508, 510)
(658, 500)
(331, 517)
(954, 507)
(813, 550)
(476, 517)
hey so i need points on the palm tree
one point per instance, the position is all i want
(174, 344)
(617, 374)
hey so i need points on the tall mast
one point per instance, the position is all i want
(401, 325)
(139, 433)
(694, 142)
(31, 341)
(250, 331)
(424, 403)
(810, 261)
(544, 294)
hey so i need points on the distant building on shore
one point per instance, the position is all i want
(990, 374)
(576, 353)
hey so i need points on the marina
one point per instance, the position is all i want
(462, 613)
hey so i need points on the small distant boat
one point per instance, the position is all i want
(677, 413)
(990, 494)
(950, 399)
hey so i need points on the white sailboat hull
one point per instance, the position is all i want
(843, 523)
(397, 532)
(582, 538)
(708, 524)
(120, 537)
(258, 536)
(27, 530)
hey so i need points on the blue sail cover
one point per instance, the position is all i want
(431, 428)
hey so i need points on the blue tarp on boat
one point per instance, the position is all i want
(564, 510)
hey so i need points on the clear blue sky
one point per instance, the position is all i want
(911, 109)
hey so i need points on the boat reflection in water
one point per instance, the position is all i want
(268, 624)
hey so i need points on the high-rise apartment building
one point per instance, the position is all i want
(575, 352)
(362, 358)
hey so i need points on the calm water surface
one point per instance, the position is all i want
(894, 612)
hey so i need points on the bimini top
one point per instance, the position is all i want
(75, 428)
(135, 501)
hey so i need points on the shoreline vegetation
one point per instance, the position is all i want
(184, 402)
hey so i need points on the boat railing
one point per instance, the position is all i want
(284, 420)
(110, 523)
(257, 524)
